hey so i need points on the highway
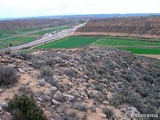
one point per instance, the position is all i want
(46, 38)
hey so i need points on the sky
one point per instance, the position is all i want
(32, 8)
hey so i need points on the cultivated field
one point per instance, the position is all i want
(16, 27)
(30, 37)
(138, 46)
(71, 42)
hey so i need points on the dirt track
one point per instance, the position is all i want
(152, 56)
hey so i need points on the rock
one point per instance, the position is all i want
(93, 108)
(105, 103)
(20, 70)
(1, 111)
(48, 98)
(11, 65)
(120, 85)
(54, 78)
(4, 105)
(40, 99)
(129, 68)
(55, 102)
(124, 110)
(68, 97)
(132, 110)
(96, 94)
(1, 90)
(41, 83)
(53, 89)
(102, 115)
(86, 77)
(58, 96)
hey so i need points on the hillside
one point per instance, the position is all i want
(84, 83)
(17, 24)
(142, 27)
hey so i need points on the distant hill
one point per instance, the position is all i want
(87, 16)
(143, 27)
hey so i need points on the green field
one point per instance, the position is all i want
(30, 37)
(124, 42)
(144, 50)
(71, 42)
(9, 33)
(1, 46)
(19, 40)
(137, 46)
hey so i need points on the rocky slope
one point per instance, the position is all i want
(85, 83)
(145, 27)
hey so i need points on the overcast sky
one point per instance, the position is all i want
(28, 8)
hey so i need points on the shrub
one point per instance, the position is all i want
(71, 73)
(81, 107)
(22, 55)
(99, 88)
(1, 53)
(25, 108)
(38, 63)
(8, 75)
(149, 79)
(46, 71)
(7, 52)
(25, 90)
(108, 112)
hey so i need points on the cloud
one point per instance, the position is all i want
(19, 8)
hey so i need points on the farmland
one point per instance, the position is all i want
(10, 28)
(138, 46)
(72, 42)
(30, 37)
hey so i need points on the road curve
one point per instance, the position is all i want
(46, 39)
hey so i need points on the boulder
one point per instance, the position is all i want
(1, 90)
(53, 89)
(68, 97)
(103, 116)
(1, 111)
(20, 70)
(58, 96)
(4, 105)
(96, 94)
(55, 102)
(47, 98)
(41, 83)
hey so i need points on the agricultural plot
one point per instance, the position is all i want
(1, 46)
(30, 37)
(72, 42)
(138, 46)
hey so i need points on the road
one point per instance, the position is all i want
(46, 39)
(19, 35)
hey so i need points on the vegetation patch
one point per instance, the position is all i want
(72, 42)
(144, 50)
(30, 37)
(25, 108)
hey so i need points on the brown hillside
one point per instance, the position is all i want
(134, 27)
(15, 24)
(82, 84)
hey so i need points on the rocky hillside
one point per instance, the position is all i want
(84, 84)
(145, 27)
